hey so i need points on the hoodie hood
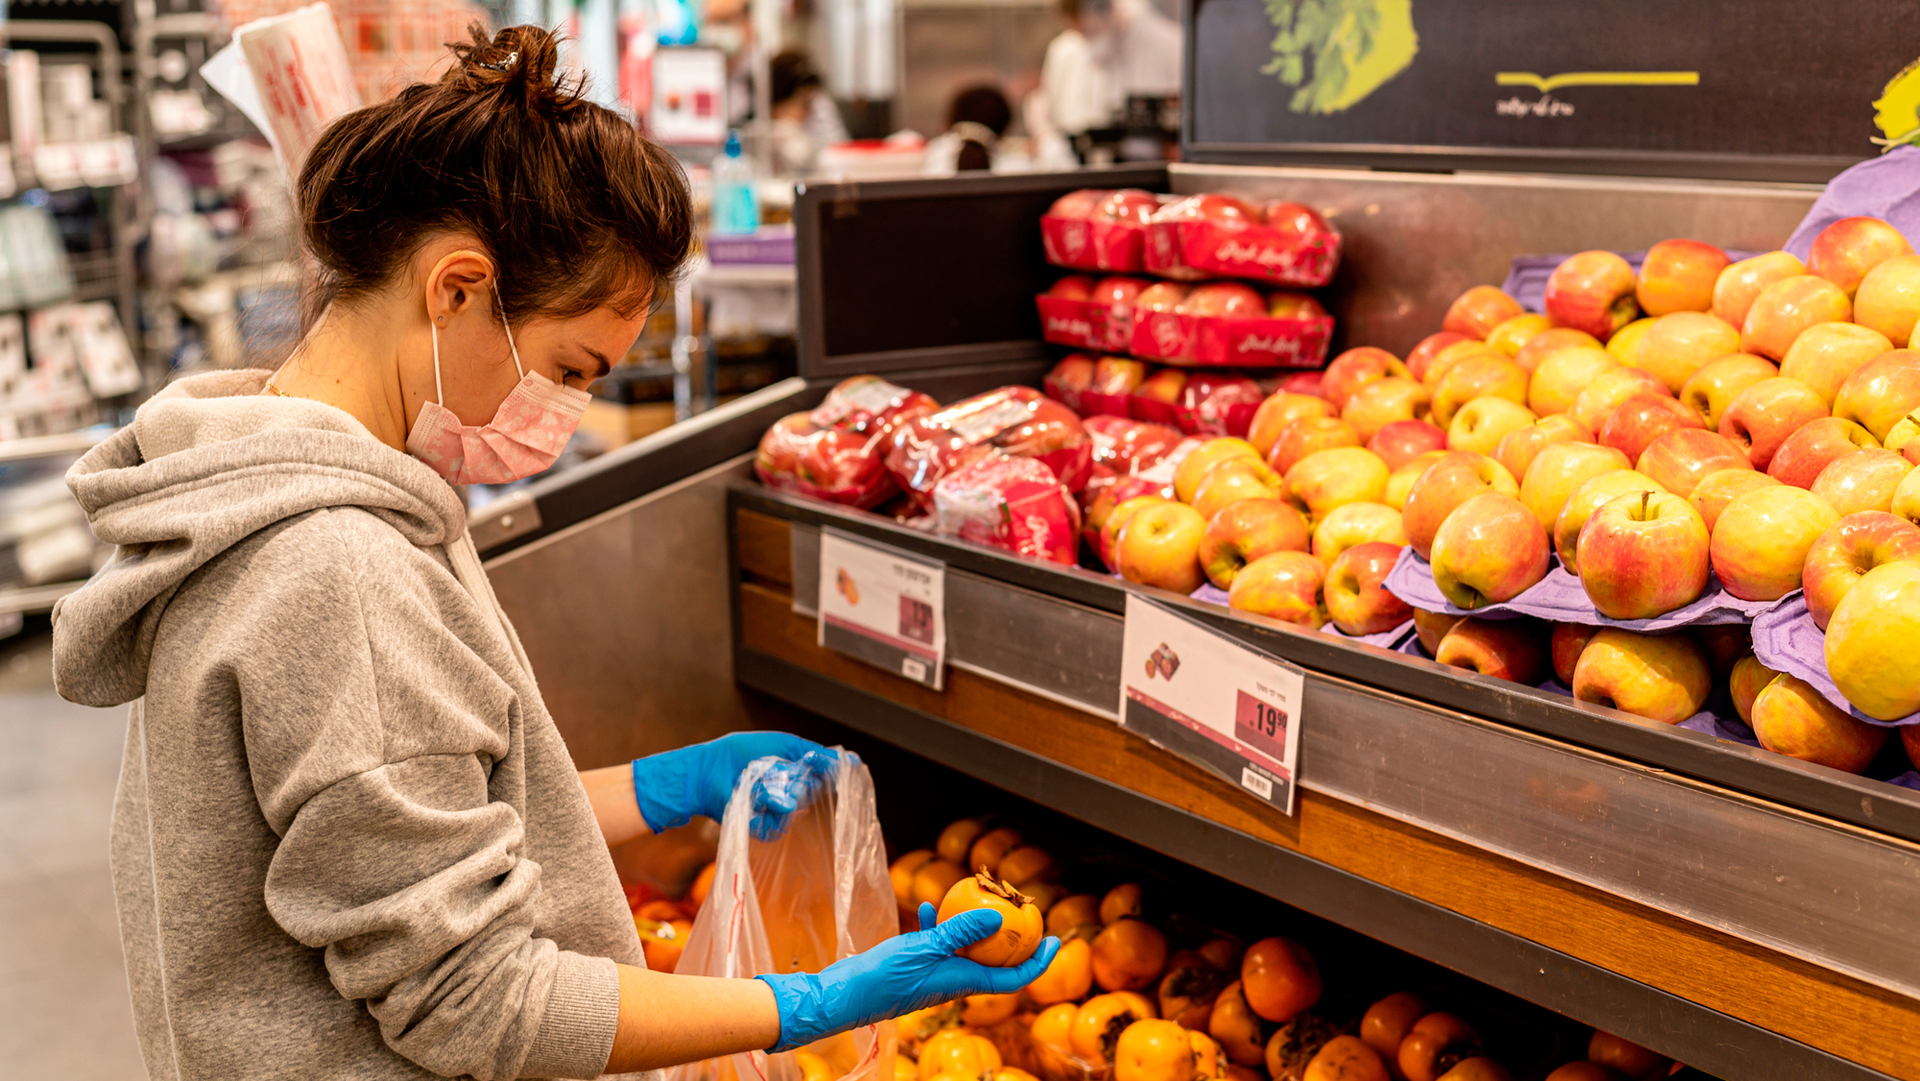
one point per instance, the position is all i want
(207, 463)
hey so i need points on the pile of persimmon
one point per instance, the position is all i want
(664, 924)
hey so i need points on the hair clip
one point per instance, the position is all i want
(502, 66)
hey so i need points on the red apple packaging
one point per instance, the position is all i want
(1019, 421)
(1200, 402)
(1088, 314)
(1010, 503)
(1096, 229)
(838, 451)
(1230, 323)
(1204, 236)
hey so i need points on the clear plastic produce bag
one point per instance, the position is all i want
(817, 894)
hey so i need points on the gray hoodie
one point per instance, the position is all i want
(348, 840)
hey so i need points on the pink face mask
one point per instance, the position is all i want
(526, 434)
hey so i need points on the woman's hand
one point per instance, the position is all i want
(900, 975)
(674, 786)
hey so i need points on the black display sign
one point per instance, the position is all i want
(1760, 89)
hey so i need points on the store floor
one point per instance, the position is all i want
(63, 992)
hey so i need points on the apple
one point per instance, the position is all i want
(1159, 545)
(1864, 480)
(1491, 375)
(1659, 677)
(1590, 496)
(1287, 304)
(1869, 647)
(1565, 647)
(1734, 291)
(1518, 448)
(1114, 381)
(1881, 392)
(1357, 598)
(1761, 417)
(1106, 498)
(1595, 402)
(1244, 531)
(1402, 441)
(1900, 438)
(1127, 204)
(1157, 398)
(1561, 377)
(1210, 207)
(1117, 294)
(1711, 389)
(1625, 345)
(1161, 297)
(1352, 524)
(1430, 347)
(1305, 436)
(1849, 548)
(1193, 468)
(1551, 341)
(1592, 291)
(1682, 458)
(1635, 423)
(1813, 447)
(1224, 300)
(1292, 220)
(1678, 276)
(1431, 627)
(1717, 489)
(1386, 401)
(1110, 532)
(1287, 586)
(1356, 368)
(1444, 360)
(1642, 555)
(1824, 355)
(1511, 336)
(1233, 480)
(1678, 345)
(1762, 537)
(1561, 468)
(1847, 250)
(1329, 478)
(1474, 313)
(1888, 299)
(1307, 383)
(1450, 481)
(1279, 410)
(1748, 679)
(1787, 308)
(1077, 205)
(1723, 643)
(1400, 482)
(1072, 287)
(1509, 649)
(1482, 423)
(1069, 380)
(1489, 550)
(1789, 717)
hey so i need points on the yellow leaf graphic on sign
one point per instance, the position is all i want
(1336, 52)
(1897, 113)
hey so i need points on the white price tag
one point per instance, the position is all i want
(883, 606)
(1224, 706)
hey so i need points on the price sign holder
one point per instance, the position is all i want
(1228, 708)
(883, 606)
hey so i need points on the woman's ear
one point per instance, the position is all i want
(458, 282)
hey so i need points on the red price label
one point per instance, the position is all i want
(1261, 725)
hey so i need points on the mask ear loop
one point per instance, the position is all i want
(504, 325)
(439, 395)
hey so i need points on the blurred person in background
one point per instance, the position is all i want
(1073, 86)
(805, 119)
(977, 118)
(1110, 51)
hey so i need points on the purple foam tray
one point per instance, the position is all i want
(1559, 597)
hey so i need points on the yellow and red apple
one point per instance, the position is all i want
(1846, 251)
(1678, 276)
(1734, 291)
(1850, 548)
(1869, 645)
(1563, 374)
(1643, 555)
(1824, 355)
(1509, 649)
(1592, 291)
(1788, 307)
(1659, 677)
(1590, 496)
(1761, 540)
(1449, 481)
(1488, 551)
(1286, 586)
(1711, 389)
(1720, 487)
(1761, 417)
(1244, 531)
(1678, 345)
(1679, 460)
(1790, 717)
(1560, 469)
(1357, 598)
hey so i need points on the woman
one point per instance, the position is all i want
(348, 841)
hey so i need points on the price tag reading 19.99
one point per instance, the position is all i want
(883, 606)
(1227, 707)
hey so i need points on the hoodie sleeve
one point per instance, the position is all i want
(382, 753)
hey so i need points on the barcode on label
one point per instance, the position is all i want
(916, 620)
(1256, 784)
(913, 669)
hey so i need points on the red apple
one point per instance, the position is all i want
(1077, 205)
(1563, 374)
(1287, 304)
(1720, 487)
(1864, 480)
(1591, 495)
(1357, 598)
(1122, 512)
(1643, 555)
(1474, 313)
(1678, 276)
(1446, 484)
(1280, 410)
(1518, 448)
(1888, 299)
(1749, 678)
(1551, 341)
(1292, 220)
(1761, 540)
(1592, 291)
(1128, 204)
(1245, 531)
(1214, 207)
(1224, 300)
(1741, 282)
(1286, 586)
(1788, 307)
(1559, 470)
(1430, 347)
(1404, 440)
(1072, 287)
(1117, 295)
(1680, 459)
(1635, 423)
(1386, 401)
(1849, 548)
(1604, 393)
(1813, 446)
(1106, 500)
(1069, 379)
(1356, 368)
(1159, 545)
(1307, 383)
(1678, 345)
(1825, 355)
(1723, 643)
(1660, 677)
(1400, 481)
(1882, 392)
(1215, 402)
(1711, 389)
(1568, 642)
(1509, 649)
(1194, 465)
(1335, 476)
(1489, 550)
(1307, 435)
(1431, 627)
(1847, 250)
(1790, 717)
(1114, 381)
(1352, 524)
(1161, 297)
(1233, 480)
(1761, 417)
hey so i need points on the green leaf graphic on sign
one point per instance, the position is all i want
(1336, 52)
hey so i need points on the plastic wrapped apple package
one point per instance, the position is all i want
(866, 403)
(1559, 597)
(816, 894)
(1011, 503)
(1199, 403)
(838, 451)
(1088, 314)
(1067, 381)
(1129, 447)
(1205, 236)
(1098, 229)
(1110, 392)
(1019, 421)
(1786, 639)
(1230, 323)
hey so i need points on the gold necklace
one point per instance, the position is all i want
(276, 390)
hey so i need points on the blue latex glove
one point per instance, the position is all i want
(674, 786)
(903, 974)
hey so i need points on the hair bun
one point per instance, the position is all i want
(519, 61)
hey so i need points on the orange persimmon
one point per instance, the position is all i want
(1437, 1043)
(1388, 1021)
(1240, 1031)
(932, 881)
(660, 910)
(1054, 1027)
(980, 1011)
(1294, 1044)
(662, 941)
(1223, 953)
(1068, 978)
(1027, 863)
(1346, 1058)
(813, 1067)
(1021, 927)
(1627, 1057)
(1157, 1050)
(954, 1051)
(902, 870)
(1477, 1069)
(991, 847)
(702, 884)
(1120, 902)
(1188, 989)
(1079, 910)
(1585, 1071)
(1128, 955)
(1097, 1028)
(953, 842)
(1279, 978)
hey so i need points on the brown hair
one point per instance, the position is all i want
(577, 208)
